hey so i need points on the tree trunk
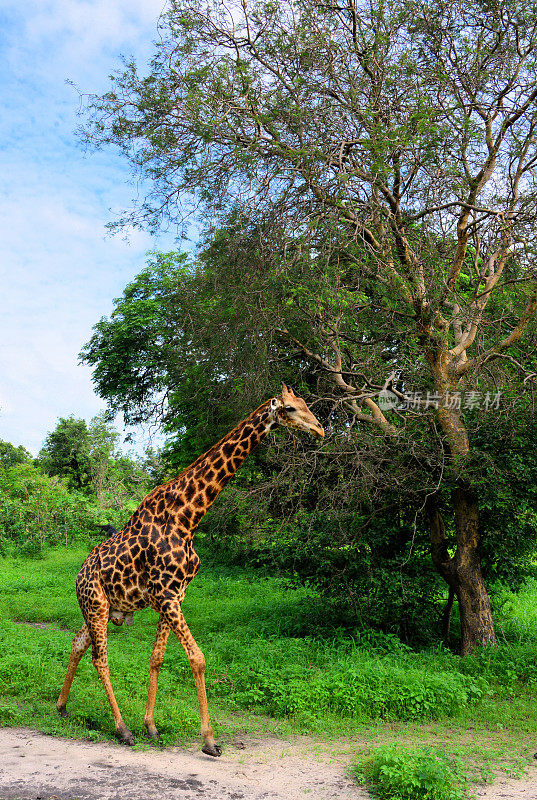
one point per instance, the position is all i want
(477, 626)
(446, 616)
(462, 571)
(474, 605)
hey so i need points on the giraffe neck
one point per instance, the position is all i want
(233, 448)
(200, 484)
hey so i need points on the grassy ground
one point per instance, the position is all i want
(270, 672)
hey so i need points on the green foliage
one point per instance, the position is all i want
(373, 570)
(167, 350)
(410, 773)
(505, 475)
(134, 351)
(40, 505)
(86, 457)
(359, 686)
(38, 510)
(11, 455)
(256, 658)
(269, 648)
(64, 452)
(518, 610)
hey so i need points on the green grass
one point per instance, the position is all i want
(271, 670)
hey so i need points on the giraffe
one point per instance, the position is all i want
(151, 561)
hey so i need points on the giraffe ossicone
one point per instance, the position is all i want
(151, 561)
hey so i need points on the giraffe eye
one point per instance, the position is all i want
(289, 408)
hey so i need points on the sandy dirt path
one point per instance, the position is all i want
(38, 767)
(34, 766)
(508, 789)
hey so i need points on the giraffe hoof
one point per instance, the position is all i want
(212, 750)
(62, 711)
(152, 734)
(125, 736)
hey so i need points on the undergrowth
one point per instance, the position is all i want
(410, 773)
(272, 651)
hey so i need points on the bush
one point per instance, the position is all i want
(38, 510)
(398, 773)
(371, 571)
(358, 684)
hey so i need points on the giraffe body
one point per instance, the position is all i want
(151, 561)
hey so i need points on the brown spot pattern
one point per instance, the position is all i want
(150, 562)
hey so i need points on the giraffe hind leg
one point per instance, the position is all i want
(155, 663)
(96, 623)
(80, 644)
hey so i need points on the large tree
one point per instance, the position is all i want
(387, 150)
(87, 456)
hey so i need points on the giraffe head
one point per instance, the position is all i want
(291, 411)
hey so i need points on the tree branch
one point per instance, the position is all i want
(376, 417)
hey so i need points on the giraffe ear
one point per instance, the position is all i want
(275, 403)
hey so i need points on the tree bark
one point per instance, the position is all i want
(462, 571)
(446, 616)
(477, 626)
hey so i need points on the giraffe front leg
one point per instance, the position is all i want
(80, 644)
(175, 619)
(97, 627)
(155, 663)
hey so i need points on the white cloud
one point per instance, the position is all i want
(59, 269)
(60, 274)
(72, 33)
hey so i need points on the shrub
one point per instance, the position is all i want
(38, 510)
(356, 686)
(398, 773)
(370, 571)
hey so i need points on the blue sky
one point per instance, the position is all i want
(59, 268)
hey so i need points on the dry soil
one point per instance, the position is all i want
(38, 767)
(33, 766)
